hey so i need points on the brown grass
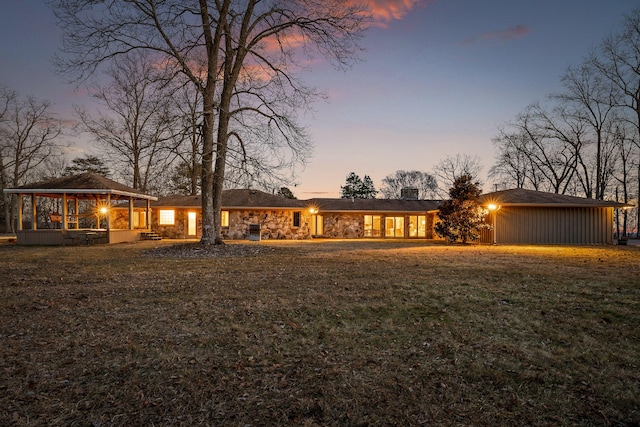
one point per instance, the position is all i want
(320, 333)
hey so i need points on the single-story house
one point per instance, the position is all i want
(516, 216)
(91, 208)
(282, 218)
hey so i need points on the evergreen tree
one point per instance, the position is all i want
(87, 164)
(286, 193)
(186, 178)
(357, 188)
(461, 217)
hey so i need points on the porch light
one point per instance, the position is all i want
(313, 210)
(104, 210)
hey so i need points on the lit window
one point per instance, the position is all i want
(417, 226)
(167, 217)
(224, 218)
(296, 219)
(394, 226)
(372, 226)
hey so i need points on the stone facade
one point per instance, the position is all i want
(344, 226)
(277, 224)
(274, 224)
(179, 227)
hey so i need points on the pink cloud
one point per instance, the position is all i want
(385, 11)
(500, 35)
(389, 10)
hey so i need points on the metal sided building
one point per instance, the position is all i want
(520, 216)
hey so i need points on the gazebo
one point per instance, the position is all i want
(86, 208)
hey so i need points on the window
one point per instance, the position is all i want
(167, 217)
(224, 218)
(296, 219)
(394, 226)
(372, 226)
(417, 226)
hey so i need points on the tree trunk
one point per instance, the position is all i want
(221, 160)
(210, 222)
(7, 214)
(208, 218)
(638, 207)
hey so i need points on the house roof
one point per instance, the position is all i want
(523, 197)
(85, 184)
(375, 205)
(244, 198)
(238, 198)
(255, 199)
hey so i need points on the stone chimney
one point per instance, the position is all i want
(409, 193)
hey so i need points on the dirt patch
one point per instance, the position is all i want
(197, 250)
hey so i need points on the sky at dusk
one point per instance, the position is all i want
(438, 78)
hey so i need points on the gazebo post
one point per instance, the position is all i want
(148, 216)
(20, 208)
(130, 213)
(65, 211)
(109, 211)
(75, 212)
(34, 211)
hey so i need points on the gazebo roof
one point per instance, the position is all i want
(84, 185)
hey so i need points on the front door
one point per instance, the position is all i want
(317, 225)
(191, 224)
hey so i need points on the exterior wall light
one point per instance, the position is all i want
(494, 208)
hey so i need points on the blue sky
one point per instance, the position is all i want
(438, 80)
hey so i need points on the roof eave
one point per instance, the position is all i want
(77, 191)
(376, 210)
(564, 205)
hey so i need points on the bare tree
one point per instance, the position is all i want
(570, 147)
(188, 139)
(552, 159)
(627, 152)
(235, 38)
(28, 133)
(587, 110)
(134, 125)
(450, 168)
(618, 59)
(393, 184)
(513, 167)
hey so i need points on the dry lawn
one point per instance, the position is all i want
(312, 333)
